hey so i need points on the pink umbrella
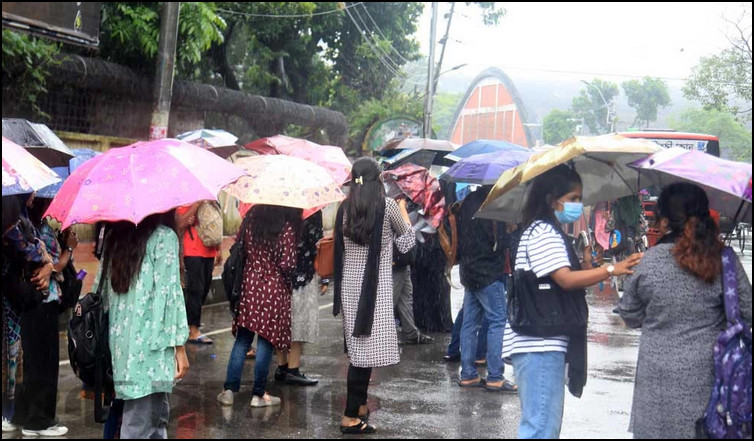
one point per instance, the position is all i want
(130, 183)
(22, 172)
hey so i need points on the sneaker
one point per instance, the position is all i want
(280, 374)
(299, 380)
(50, 432)
(420, 339)
(8, 426)
(266, 401)
(226, 398)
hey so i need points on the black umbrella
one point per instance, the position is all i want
(39, 140)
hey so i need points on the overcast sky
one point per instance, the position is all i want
(584, 40)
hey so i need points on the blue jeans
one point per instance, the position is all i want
(454, 348)
(265, 350)
(490, 303)
(541, 389)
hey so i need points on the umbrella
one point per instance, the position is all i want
(285, 181)
(130, 183)
(82, 155)
(485, 169)
(481, 146)
(217, 141)
(417, 184)
(422, 158)
(438, 145)
(22, 172)
(278, 145)
(727, 183)
(601, 161)
(39, 140)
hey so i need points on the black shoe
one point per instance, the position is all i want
(299, 379)
(280, 374)
(424, 339)
(451, 358)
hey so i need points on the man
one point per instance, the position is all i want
(481, 249)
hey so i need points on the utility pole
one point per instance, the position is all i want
(431, 74)
(444, 42)
(163, 79)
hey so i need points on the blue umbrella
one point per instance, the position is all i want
(485, 169)
(481, 146)
(81, 156)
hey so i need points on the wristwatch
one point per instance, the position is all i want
(610, 269)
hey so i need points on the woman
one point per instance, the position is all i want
(676, 298)
(367, 226)
(304, 305)
(540, 363)
(269, 236)
(148, 327)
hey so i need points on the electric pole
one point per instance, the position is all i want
(163, 79)
(431, 74)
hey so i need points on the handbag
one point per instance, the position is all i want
(324, 263)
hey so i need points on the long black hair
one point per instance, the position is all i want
(698, 248)
(365, 198)
(126, 246)
(267, 222)
(11, 212)
(546, 189)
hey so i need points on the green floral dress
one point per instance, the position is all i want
(148, 322)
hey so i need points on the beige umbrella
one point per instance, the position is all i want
(601, 161)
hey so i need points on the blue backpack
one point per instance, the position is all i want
(728, 414)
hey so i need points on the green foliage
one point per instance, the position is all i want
(735, 139)
(720, 79)
(26, 61)
(646, 96)
(392, 104)
(558, 126)
(491, 15)
(444, 110)
(590, 106)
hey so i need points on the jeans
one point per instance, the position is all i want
(541, 390)
(265, 350)
(454, 348)
(146, 417)
(490, 302)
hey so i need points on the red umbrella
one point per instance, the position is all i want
(417, 184)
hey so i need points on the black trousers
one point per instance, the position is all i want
(36, 397)
(358, 386)
(198, 282)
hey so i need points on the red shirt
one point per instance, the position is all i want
(194, 247)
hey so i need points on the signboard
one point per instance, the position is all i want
(69, 22)
(387, 130)
(688, 144)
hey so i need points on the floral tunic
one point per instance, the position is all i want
(148, 322)
(265, 305)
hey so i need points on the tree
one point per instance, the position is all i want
(444, 110)
(723, 81)
(590, 106)
(25, 67)
(735, 139)
(558, 126)
(646, 96)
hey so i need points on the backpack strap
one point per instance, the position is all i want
(730, 286)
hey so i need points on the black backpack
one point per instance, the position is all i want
(70, 287)
(89, 347)
(233, 271)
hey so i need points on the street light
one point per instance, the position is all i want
(607, 107)
(452, 69)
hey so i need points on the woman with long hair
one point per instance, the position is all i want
(540, 362)
(147, 315)
(269, 234)
(367, 226)
(676, 298)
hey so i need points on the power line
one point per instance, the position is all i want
(314, 14)
(381, 34)
(376, 42)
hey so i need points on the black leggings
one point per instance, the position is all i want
(358, 385)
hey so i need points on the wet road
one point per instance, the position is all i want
(416, 399)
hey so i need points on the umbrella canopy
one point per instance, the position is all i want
(485, 169)
(482, 146)
(438, 145)
(422, 158)
(278, 145)
(39, 140)
(22, 172)
(285, 181)
(727, 183)
(601, 161)
(217, 141)
(130, 183)
(417, 184)
(82, 155)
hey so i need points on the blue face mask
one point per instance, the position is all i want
(572, 211)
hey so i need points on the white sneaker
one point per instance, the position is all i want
(226, 398)
(8, 426)
(50, 432)
(266, 401)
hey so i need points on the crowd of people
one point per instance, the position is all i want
(155, 277)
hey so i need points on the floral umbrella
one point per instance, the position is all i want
(22, 172)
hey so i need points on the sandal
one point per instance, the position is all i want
(201, 340)
(507, 387)
(479, 383)
(365, 417)
(359, 429)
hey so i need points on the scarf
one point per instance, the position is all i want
(368, 298)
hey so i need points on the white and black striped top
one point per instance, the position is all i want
(543, 251)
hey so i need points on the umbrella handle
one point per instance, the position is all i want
(735, 221)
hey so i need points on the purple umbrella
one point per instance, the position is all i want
(485, 169)
(727, 183)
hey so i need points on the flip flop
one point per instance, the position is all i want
(201, 340)
(507, 387)
(479, 383)
(359, 429)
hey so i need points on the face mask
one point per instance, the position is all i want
(571, 212)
